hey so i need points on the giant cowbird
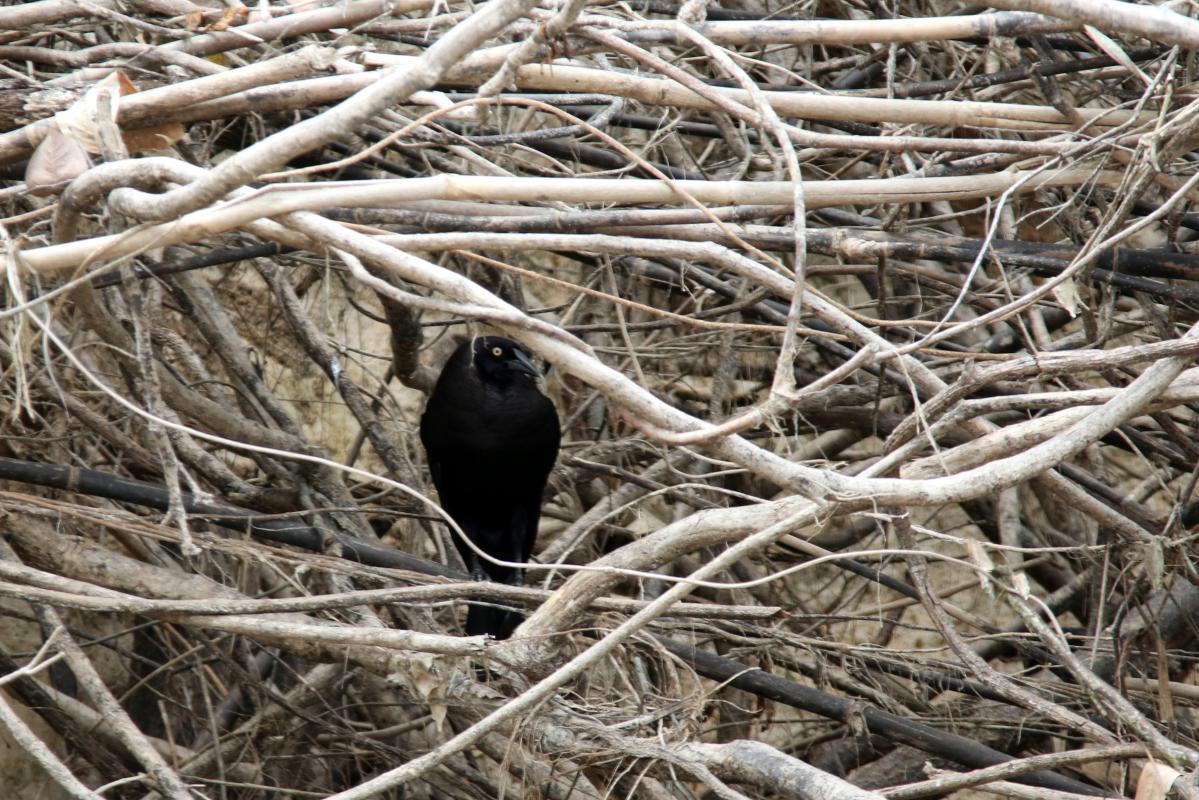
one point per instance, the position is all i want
(491, 437)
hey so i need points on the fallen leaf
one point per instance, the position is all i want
(57, 161)
(157, 137)
(1066, 294)
(1155, 781)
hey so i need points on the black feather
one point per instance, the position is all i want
(491, 437)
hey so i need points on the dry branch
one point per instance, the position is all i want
(871, 334)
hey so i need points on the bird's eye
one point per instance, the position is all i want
(497, 351)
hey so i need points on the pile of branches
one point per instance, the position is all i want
(870, 329)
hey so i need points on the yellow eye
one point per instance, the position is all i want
(497, 351)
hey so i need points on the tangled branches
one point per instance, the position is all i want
(870, 327)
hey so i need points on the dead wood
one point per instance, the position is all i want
(871, 330)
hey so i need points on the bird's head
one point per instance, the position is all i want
(499, 360)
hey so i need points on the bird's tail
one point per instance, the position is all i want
(494, 621)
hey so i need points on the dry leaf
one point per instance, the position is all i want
(229, 18)
(157, 137)
(124, 85)
(80, 121)
(982, 560)
(1155, 781)
(57, 161)
(1116, 53)
(63, 155)
(1066, 294)
(1155, 562)
(425, 680)
(438, 711)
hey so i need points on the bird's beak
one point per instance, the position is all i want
(523, 364)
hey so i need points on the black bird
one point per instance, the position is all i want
(491, 437)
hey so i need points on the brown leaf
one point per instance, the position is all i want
(124, 85)
(58, 160)
(155, 137)
(229, 17)
(1155, 781)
